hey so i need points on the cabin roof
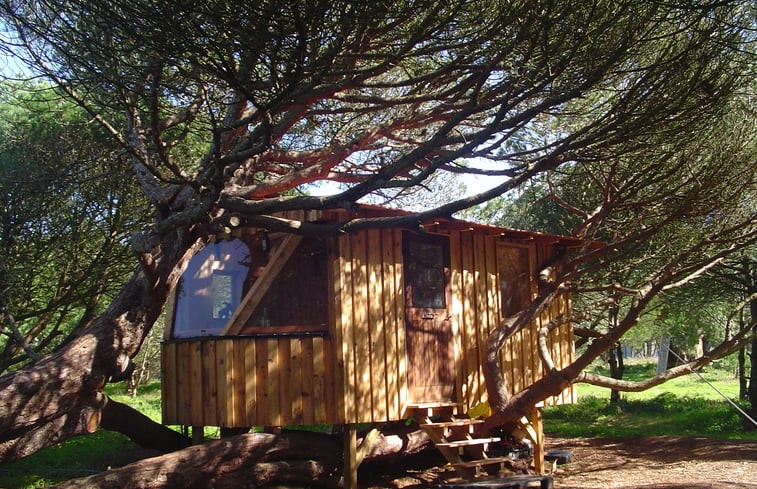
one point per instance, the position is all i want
(450, 224)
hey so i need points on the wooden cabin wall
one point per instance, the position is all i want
(475, 311)
(358, 371)
(248, 381)
(371, 326)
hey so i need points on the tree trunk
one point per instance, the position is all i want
(742, 372)
(496, 387)
(60, 396)
(743, 394)
(615, 357)
(252, 460)
(616, 371)
(752, 392)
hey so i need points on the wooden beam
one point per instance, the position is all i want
(262, 284)
(349, 439)
(198, 435)
(536, 420)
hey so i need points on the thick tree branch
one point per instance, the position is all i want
(725, 348)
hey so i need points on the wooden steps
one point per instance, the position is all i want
(434, 405)
(468, 442)
(450, 424)
(454, 437)
(482, 462)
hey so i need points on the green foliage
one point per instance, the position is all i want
(78, 457)
(531, 209)
(68, 205)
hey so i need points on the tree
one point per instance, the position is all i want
(66, 214)
(618, 204)
(377, 96)
(617, 200)
(739, 274)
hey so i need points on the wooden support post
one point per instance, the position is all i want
(349, 437)
(198, 435)
(536, 421)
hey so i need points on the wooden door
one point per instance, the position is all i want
(430, 349)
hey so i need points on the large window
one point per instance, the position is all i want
(280, 281)
(211, 288)
(514, 270)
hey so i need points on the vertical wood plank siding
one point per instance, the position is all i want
(358, 371)
(475, 296)
(258, 381)
(373, 339)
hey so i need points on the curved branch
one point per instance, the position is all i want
(544, 331)
(725, 348)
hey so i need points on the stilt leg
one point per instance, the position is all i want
(349, 437)
(198, 435)
(536, 421)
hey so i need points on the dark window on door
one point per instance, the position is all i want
(427, 266)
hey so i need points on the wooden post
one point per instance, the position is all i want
(349, 437)
(536, 421)
(198, 435)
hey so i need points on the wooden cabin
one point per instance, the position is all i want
(274, 329)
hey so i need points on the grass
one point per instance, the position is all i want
(78, 457)
(686, 406)
(666, 414)
(147, 401)
(686, 386)
(84, 455)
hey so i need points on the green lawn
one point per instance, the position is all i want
(685, 406)
(686, 386)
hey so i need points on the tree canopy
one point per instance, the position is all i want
(68, 207)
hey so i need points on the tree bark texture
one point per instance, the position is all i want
(742, 374)
(616, 370)
(252, 460)
(752, 392)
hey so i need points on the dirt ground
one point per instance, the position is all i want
(660, 462)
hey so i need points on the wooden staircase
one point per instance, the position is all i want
(454, 437)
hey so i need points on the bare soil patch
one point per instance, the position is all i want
(659, 462)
